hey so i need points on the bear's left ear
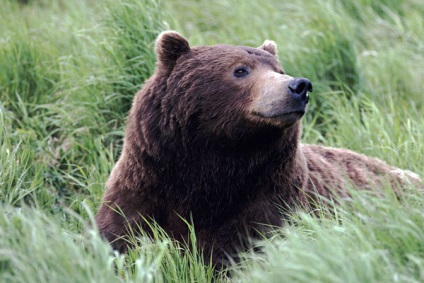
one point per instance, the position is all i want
(170, 45)
(269, 46)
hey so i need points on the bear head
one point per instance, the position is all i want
(224, 90)
(234, 96)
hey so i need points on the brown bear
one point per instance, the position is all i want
(213, 138)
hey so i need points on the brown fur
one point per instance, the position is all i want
(221, 150)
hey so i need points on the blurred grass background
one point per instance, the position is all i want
(69, 71)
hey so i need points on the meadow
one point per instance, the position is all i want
(69, 71)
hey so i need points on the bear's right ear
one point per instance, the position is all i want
(270, 46)
(170, 45)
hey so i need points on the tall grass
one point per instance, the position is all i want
(365, 240)
(69, 70)
(35, 248)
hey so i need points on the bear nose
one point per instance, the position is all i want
(299, 88)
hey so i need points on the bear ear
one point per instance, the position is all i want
(170, 45)
(269, 46)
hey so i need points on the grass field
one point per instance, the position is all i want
(68, 73)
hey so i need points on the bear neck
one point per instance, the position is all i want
(218, 164)
(225, 178)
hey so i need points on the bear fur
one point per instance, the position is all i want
(213, 138)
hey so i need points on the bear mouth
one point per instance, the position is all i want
(282, 116)
(285, 119)
(288, 115)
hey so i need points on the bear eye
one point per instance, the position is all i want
(241, 72)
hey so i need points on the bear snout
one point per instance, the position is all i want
(298, 89)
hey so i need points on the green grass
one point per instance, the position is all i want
(69, 70)
(368, 239)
